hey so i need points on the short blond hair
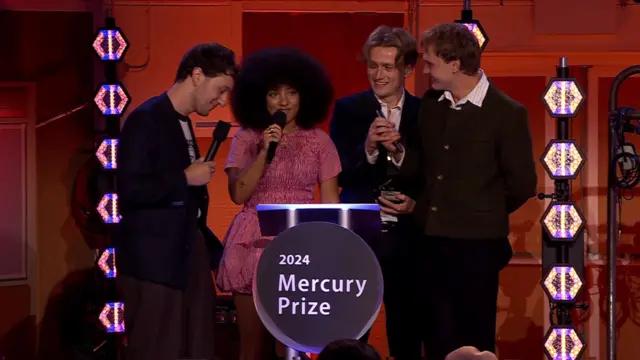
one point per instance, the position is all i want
(398, 38)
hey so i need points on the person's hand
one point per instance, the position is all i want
(404, 205)
(272, 133)
(381, 131)
(200, 172)
(390, 144)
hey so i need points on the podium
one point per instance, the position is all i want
(317, 281)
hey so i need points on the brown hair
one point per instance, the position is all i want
(454, 41)
(212, 58)
(398, 38)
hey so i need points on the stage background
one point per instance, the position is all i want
(48, 54)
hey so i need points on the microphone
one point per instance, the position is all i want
(395, 143)
(220, 133)
(279, 118)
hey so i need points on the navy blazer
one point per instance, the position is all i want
(159, 210)
(352, 117)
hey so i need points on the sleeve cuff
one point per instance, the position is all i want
(399, 163)
(373, 157)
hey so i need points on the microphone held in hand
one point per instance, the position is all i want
(395, 143)
(220, 133)
(279, 118)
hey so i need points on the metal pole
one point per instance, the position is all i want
(291, 354)
(616, 123)
(562, 71)
(562, 190)
(612, 204)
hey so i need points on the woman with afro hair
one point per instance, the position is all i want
(274, 79)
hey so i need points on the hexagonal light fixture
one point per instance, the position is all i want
(108, 209)
(107, 152)
(563, 97)
(111, 99)
(562, 284)
(562, 221)
(476, 28)
(110, 44)
(562, 159)
(107, 263)
(112, 317)
(563, 343)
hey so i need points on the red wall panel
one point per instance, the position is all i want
(13, 102)
(337, 46)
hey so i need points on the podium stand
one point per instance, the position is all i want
(318, 281)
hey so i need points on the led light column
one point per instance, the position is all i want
(562, 222)
(111, 99)
(473, 25)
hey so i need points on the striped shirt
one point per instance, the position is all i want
(476, 96)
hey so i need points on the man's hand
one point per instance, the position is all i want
(389, 144)
(404, 205)
(392, 148)
(381, 131)
(200, 172)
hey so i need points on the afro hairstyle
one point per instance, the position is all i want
(273, 67)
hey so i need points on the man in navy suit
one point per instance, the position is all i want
(165, 250)
(364, 128)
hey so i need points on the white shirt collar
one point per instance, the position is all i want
(476, 96)
(398, 106)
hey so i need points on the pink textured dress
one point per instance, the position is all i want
(303, 159)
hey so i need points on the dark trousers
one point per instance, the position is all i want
(459, 287)
(396, 253)
(167, 324)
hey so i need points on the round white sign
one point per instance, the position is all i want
(315, 283)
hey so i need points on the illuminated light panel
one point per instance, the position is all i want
(563, 221)
(476, 29)
(107, 263)
(562, 283)
(563, 97)
(562, 159)
(478, 32)
(106, 153)
(111, 99)
(563, 343)
(112, 317)
(108, 209)
(110, 44)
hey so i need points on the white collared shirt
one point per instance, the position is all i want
(393, 115)
(476, 96)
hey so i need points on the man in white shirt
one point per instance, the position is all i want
(363, 127)
(471, 159)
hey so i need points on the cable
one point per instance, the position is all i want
(619, 217)
(552, 311)
(627, 170)
(145, 64)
